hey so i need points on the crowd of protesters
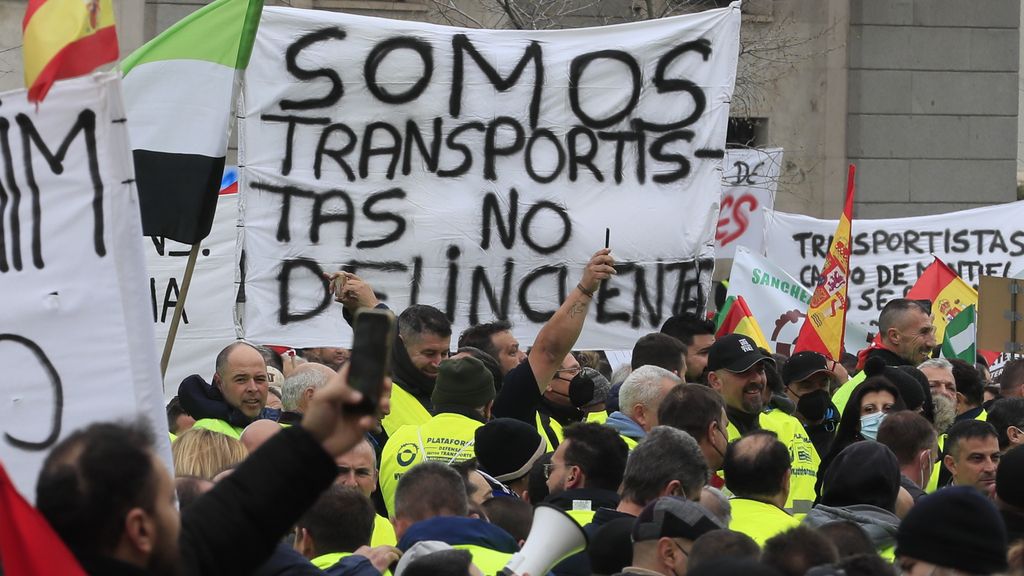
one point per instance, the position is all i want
(705, 455)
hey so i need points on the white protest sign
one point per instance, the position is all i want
(208, 323)
(477, 170)
(76, 337)
(749, 180)
(889, 254)
(777, 300)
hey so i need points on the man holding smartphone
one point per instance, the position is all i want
(538, 390)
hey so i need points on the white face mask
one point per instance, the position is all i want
(869, 425)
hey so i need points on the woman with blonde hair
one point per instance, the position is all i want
(204, 453)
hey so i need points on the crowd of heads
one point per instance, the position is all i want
(704, 455)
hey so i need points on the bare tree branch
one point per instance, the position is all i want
(447, 8)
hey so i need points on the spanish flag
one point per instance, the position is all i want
(948, 293)
(735, 318)
(825, 326)
(65, 38)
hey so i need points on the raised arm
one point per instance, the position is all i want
(558, 336)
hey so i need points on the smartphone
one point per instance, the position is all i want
(374, 333)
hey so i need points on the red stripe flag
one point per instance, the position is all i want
(65, 38)
(28, 545)
(825, 326)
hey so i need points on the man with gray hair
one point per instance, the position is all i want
(302, 384)
(939, 372)
(667, 462)
(639, 398)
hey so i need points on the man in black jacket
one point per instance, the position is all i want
(906, 331)
(111, 499)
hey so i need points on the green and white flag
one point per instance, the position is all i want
(179, 89)
(961, 336)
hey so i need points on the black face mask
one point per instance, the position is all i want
(581, 388)
(813, 405)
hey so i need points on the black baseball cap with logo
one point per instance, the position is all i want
(735, 353)
(803, 365)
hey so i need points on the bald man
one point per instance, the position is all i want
(257, 433)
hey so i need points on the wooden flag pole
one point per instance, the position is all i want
(179, 308)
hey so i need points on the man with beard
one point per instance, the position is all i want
(737, 372)
(906, 337)
(586, 471)
(111, 500)
(697, 335)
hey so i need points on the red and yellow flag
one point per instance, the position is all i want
(946, 290)
(65, 38)
(825, 326)
(739, 320)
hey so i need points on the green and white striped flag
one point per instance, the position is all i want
(179, 89)
(961, 336)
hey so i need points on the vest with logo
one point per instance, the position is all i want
(446, 438)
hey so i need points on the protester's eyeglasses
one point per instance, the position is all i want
(569, 371)
(547, 470)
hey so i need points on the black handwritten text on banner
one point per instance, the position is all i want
(889, 254)
(476, 170)
(75, 333)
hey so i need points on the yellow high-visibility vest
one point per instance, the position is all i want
(804, 458)
(487, 560)
(759, 520)
(383, 532)
(218, 425)
(325, 561)
(406, 410)
(554, 436)
(446, 438)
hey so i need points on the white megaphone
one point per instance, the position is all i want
(553, 537)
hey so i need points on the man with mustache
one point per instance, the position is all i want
(736, 370)
(973, 456)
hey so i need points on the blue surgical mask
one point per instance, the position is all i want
(869, 425)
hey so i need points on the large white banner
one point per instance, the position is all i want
(889, 254)
(749, 180)
(477, 170)
(207, 323)
(75, 329)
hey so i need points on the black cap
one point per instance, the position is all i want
(507, 448)
(674, 517)
(803, 365)
(611, 548)
(735, 353)
(955, 528)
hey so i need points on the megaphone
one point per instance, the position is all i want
(553, 537)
